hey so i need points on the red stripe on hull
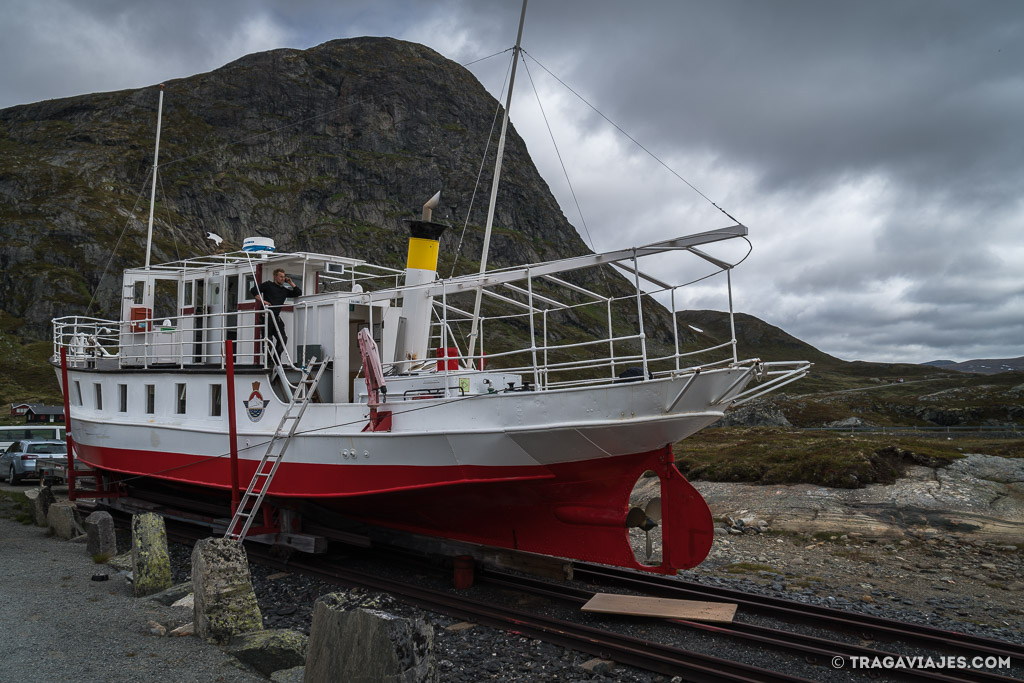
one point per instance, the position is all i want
(575, 510)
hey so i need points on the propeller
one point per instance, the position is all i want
(645, 519)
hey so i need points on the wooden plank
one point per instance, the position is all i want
(642, 606)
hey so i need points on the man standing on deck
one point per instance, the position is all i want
(270, 296)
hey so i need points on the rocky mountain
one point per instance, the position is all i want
(324, 150)
(982, 366)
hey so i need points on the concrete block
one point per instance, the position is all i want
(151, 562)
(225, 604)
(367, 645)
(101, 537)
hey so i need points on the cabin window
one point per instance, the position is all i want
(150, 399)
(249, 282)
(179, 392)
(138, 292)
(122, 392)
(215, 400)
(186, 297)
(165, 301)
(78, 393)
(99, 396)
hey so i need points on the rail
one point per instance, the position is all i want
(544, 330)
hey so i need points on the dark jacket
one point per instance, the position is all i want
(274, 294)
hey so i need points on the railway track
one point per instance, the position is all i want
(823, 656)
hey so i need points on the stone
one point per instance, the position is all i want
(988, 565)
(294, 675)
(121, 562)
(156, 629)
(365, 644)
(187, 602)
(101, 538)
(173, 594)
(225, 604)
(597, 666)
(151, 562)
(41, 502)
(63, 519)
(270, 650)
(461, 626)
(188, 629)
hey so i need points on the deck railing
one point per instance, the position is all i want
(547, 336)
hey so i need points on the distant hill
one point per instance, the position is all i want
(982, 366)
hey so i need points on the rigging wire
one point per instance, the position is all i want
(124, 230)
(634, 140)
(476, 61)
(558, 153)
(483, 161)
(208, 458)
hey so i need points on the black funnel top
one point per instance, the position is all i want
(426, 230)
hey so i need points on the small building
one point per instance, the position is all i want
(19, 409)
(37, 413)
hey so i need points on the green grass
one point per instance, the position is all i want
(15, 505)
(765, 455)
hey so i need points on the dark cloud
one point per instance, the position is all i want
(872, 147)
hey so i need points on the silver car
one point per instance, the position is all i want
(19, 460)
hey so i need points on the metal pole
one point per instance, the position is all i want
(732, 317)
(229, 353)
(67, 422)
(156, 158)
(494, 183)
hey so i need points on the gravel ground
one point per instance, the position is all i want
(93, 629)
(56, 624)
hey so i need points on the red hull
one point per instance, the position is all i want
(574, 510)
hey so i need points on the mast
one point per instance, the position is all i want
(494, 183)
(156, 158)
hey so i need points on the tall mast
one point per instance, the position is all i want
(156, 158)
(494, 183)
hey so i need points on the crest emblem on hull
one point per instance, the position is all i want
(255, 406)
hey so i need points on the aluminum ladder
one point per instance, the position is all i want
(249, 505)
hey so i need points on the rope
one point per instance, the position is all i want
(120, 237)
(558, 153)
(209, 458)
(480, 171)
(635, 141)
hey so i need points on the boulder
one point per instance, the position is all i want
(758, 413)
(101, 538)
(271, 650)
(151, 562)
(367, 645)
(63, 519)
(225, 604)
(41, 501)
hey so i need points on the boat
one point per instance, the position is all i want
(379, 410)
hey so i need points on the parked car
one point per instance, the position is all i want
(19, 460)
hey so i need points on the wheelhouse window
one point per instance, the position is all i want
(215, 400)
(122, 392)
(179, 392)
(150, 399)
(78, 393)
(99, 396)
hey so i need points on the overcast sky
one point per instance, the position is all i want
(875, 149)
